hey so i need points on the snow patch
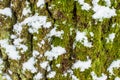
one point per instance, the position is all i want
(44, 64)
(72, 74)
(54, 53)
(10, 50)
(82, 65)
(91, 34)
(1, 65)
(102, 11)
(94, 76)
(6, 77)
(38, 76)
(35, 53)
(29, 65)
(81, 37)
(85, 6)
(34, 22)
(26, 11)
(41, 43)
(113, 65)
(40, 3)
(117, 78)
(108, 3)
(51, 74)
(110, 37)
(21, 47)
(57, 65)
(6, 11)
(56, 33)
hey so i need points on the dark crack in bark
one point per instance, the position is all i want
(49, 12)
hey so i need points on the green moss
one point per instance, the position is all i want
(101, 54)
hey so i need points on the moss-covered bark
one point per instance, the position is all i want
(68, 16)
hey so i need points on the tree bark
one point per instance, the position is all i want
(66, 15)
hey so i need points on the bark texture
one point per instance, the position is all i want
(68, 16)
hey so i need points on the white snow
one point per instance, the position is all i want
(44, 64)
(101, 12)
(38, 76)
(40, 3)
(29, 65)
(17, 41)
(13, 36)
(47, 25)
(82, 65)
(81, 37)
(102, 77)
(17, 28)
(108, 3)
(6, 77)
(10, 72)
(113, 65)
(10, 49)
(26, 11)
(57, 65)
(54, 52)
(1, 61)
(1, 65)
(34, 22)
(91, 34)
(113, 25)
(21, 47)
(56, 33)
(74, 77)
(51, 74)
(72, 74)
(41, 43)
(35, 53)
(117, 78)
(48, 68)
(110, 37)
(6, 11)
(85, 6)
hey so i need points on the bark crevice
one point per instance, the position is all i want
(49, 12)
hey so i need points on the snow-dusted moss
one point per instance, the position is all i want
(50, 39)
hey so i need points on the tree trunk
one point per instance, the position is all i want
(49, 49)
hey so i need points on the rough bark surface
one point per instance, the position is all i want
(68, 16)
